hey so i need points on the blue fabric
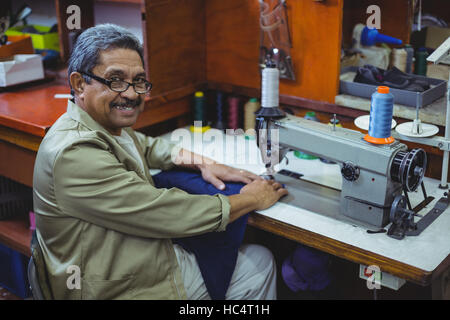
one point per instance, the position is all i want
(216, 252)
(306, 269)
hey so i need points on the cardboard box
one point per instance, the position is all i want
(40, 41)
(16, 45)
(436, 36)
(23, 68)
(438, 71)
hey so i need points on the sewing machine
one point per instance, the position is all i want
(376, 179)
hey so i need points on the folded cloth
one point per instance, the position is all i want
(306, 269)
(216, 252)
(393, 78)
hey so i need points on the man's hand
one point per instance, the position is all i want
(216, 174)
(257, 195)
(213, 172)
(266, 192)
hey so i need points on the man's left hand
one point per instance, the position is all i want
(217, 173)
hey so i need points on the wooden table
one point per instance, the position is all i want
(423, 260)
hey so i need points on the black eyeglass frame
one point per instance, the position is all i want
(109, 82)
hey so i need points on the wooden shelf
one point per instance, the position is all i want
(122, 1)
(16, 234)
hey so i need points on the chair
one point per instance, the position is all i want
(33, 279)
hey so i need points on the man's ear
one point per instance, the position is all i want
(77, 82)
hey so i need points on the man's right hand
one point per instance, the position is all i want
(257, 195)
(266, 192)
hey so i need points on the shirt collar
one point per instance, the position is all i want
(78, 114)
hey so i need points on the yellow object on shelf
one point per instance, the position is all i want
(199, 129)
(40, 41)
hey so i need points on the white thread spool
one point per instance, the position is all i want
(270, 84)
(399, 58)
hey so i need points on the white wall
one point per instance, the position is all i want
(127, 15)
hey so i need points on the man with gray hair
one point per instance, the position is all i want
(98, 212)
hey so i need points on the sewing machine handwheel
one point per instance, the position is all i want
(408, 168)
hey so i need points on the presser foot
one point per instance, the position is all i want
(267, 176)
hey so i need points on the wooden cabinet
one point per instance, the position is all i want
(201, 44)
(232, 46)
(190, 43)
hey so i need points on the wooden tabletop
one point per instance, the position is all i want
(32, 109)
(16, 234)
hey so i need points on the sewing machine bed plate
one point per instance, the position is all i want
(316, 198)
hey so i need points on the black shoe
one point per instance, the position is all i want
(393, 78)
(374, 76)
(415, 84)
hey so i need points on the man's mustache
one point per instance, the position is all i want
(126, 102)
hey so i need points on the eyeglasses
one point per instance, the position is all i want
(141, 87)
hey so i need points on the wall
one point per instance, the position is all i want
(127, 15)
(232, 46)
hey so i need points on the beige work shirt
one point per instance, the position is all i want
(97, 212)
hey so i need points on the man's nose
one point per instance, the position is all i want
(130, 93)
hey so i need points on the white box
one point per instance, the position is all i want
(376, 278)
(24, 68)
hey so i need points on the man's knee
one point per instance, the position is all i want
(261, 257)
(256, 274)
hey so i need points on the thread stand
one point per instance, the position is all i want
(444, 184)
(416, 128)
(441, 54)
